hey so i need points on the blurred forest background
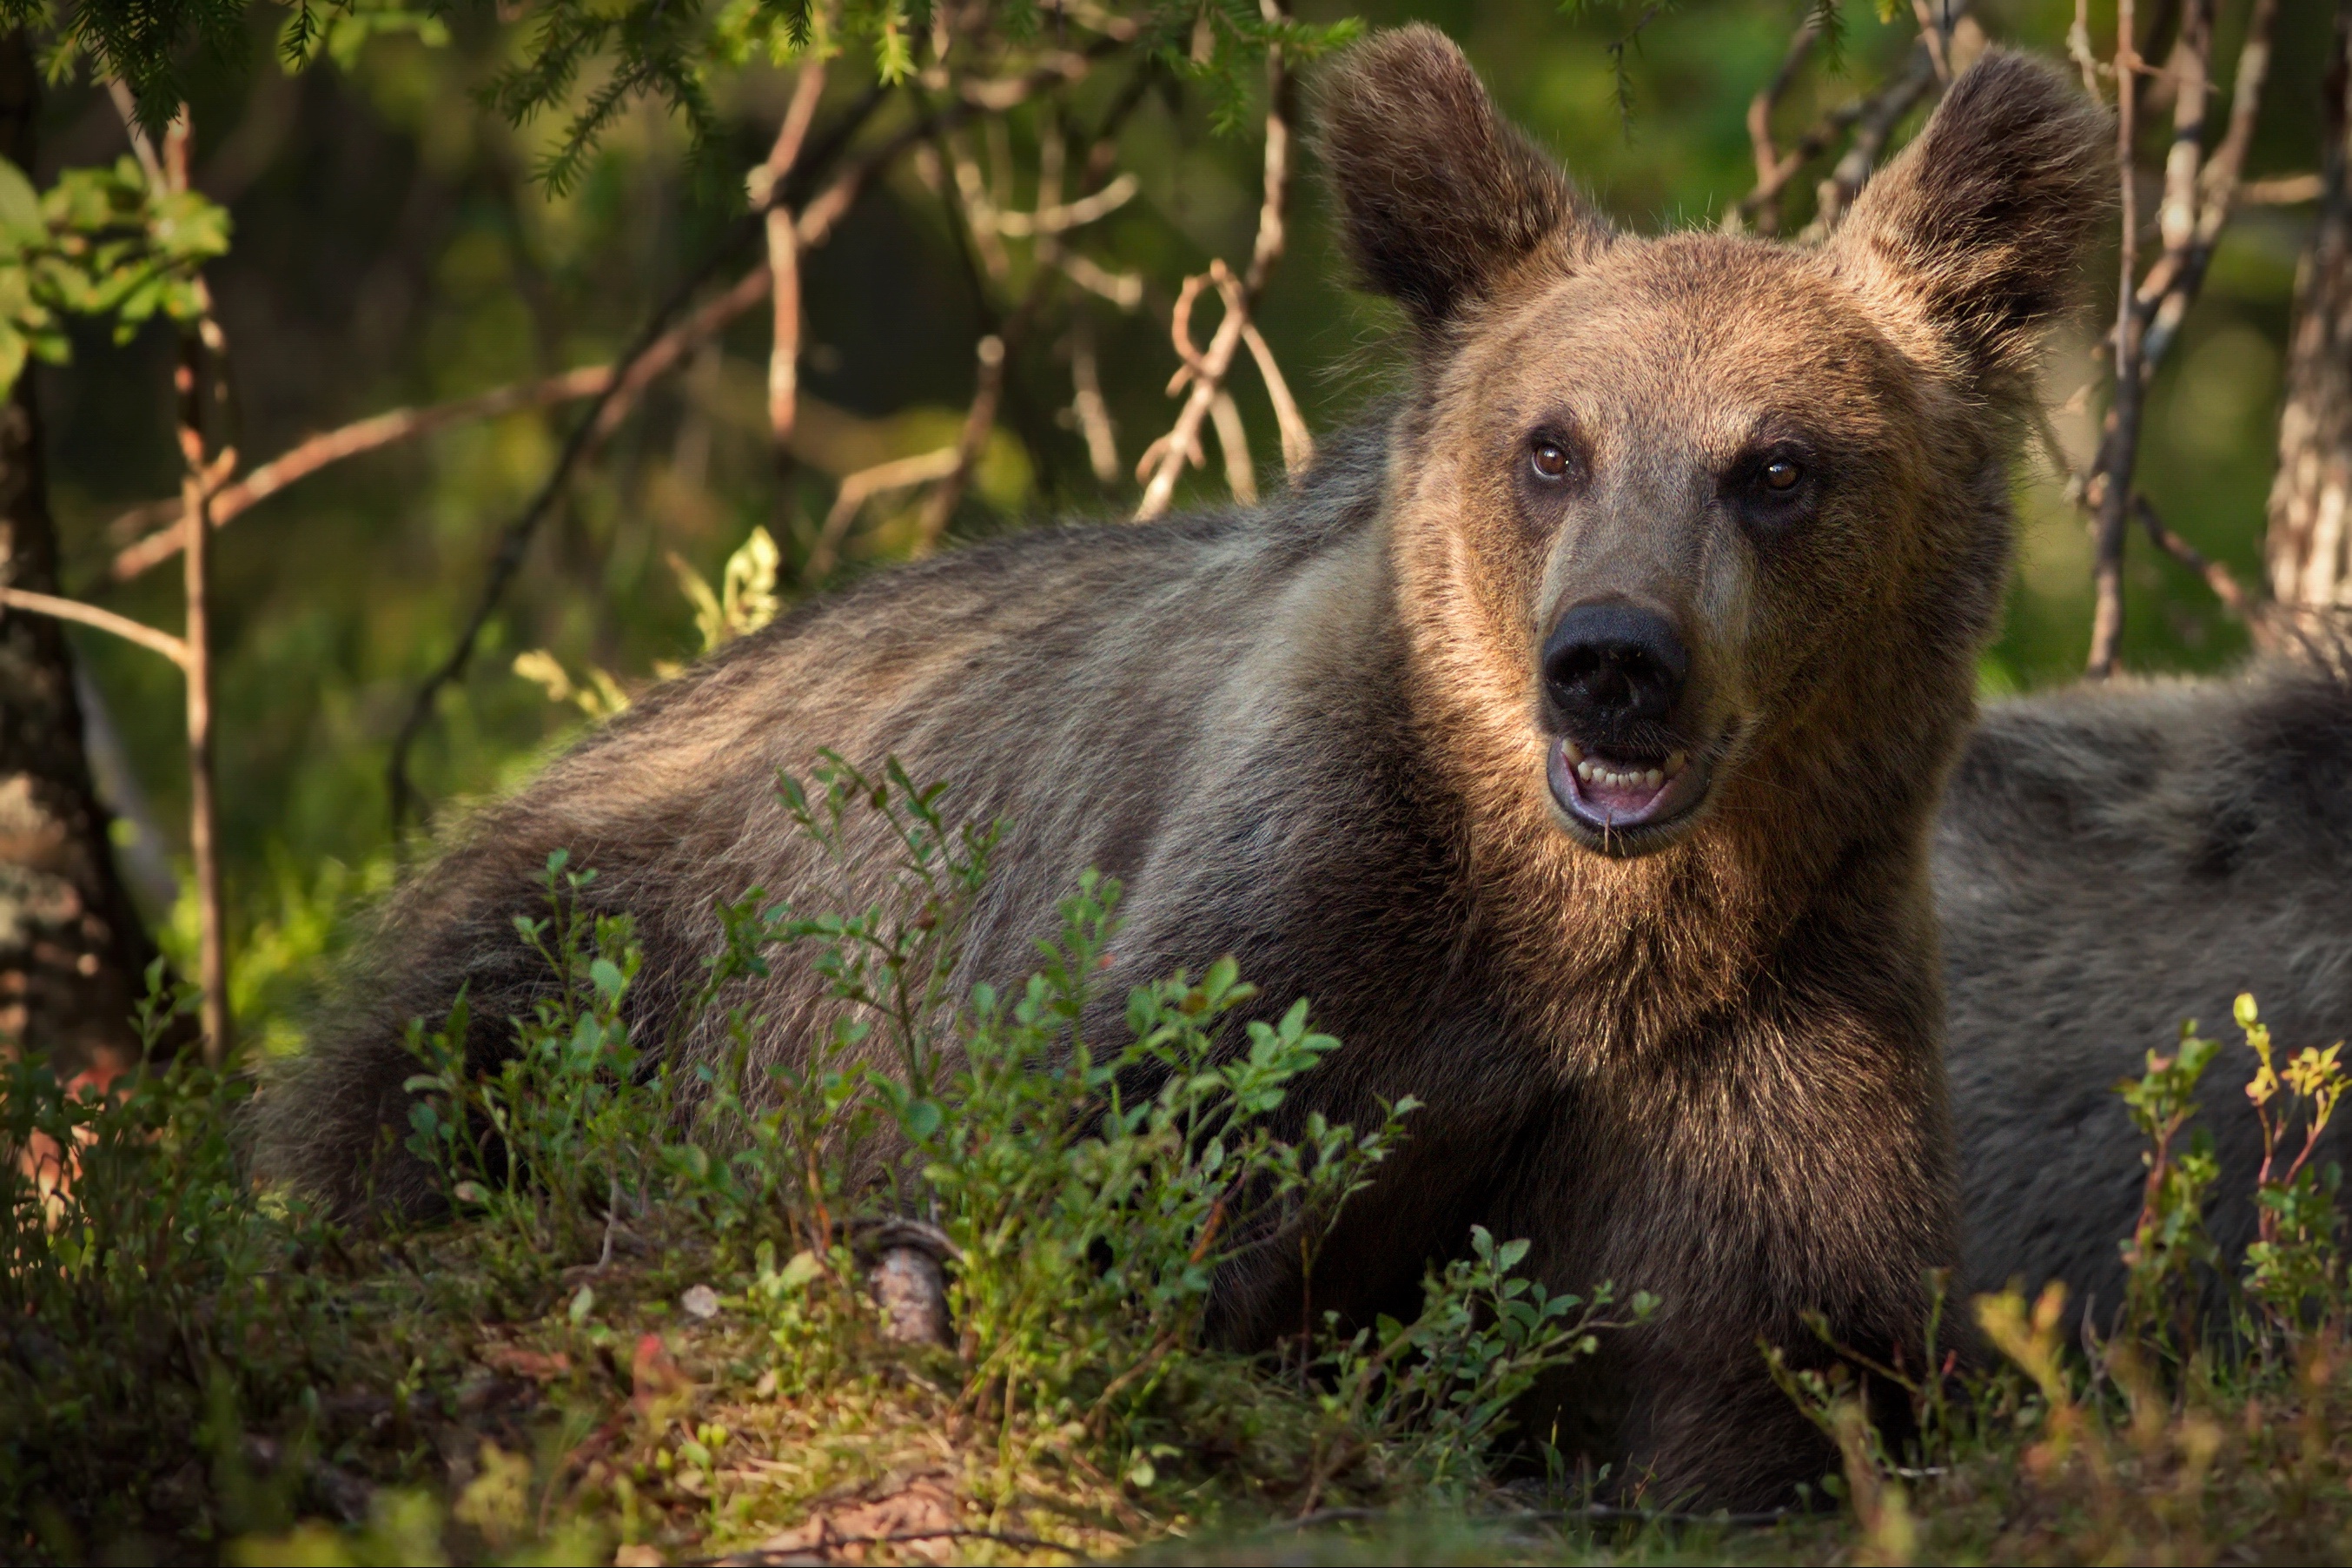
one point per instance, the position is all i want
(395, 242)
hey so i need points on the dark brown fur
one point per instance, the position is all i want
(1702, 1061)
(2111, 863)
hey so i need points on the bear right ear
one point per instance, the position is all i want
(1439, 195)
(1974, 238)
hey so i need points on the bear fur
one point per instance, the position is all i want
(1699, 1056)
(2111, 863)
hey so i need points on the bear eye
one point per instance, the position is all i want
(1780, 475)
(1550, 460)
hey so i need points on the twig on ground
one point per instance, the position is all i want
(760, 1556)
(1599, 1513)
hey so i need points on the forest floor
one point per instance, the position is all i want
(638, 1322)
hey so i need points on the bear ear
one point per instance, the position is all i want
(1975, 236)
(1439, 195)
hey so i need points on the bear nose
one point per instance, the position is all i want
(1611, 664)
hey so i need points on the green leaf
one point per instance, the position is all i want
(20, 208)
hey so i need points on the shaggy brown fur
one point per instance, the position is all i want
(1698, 1054)
(2109, 864)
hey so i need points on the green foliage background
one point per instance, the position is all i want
(395, 242)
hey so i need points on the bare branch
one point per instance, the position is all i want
(2200, 196)
(1088, 402)
(2173, 284)
(856, 489)
(1871, 118)
(2281, 191)
(2217, 577)
(1124, 289)
(2120, 449)
(201, 380)
(333, 447)
(1936, 21)
(1767, 209)
(1880, 113)
(1232, 440)
(783, 252)
(1298, 441)
(105, 620)
(1063, 217)
(2078, 49)
(1181, 445)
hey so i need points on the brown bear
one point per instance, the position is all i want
(2111, 863)
(1572, 737)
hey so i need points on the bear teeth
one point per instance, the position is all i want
(1609, 778)
(1597, 772)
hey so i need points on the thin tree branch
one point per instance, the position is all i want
(201, 363)
(784, 257)
(2218, 576)
(1298, 441)
(2078, 49)
(1232, 440)
(2281, 191)
(2121, 448)
(1168, 457)
(105, 620)
(655, 349)
(1871, 118)
(856, 489)
(324, 450)
(1063, 217)
(1880, 114)
(200, 380)
(1767, 210)
(2174, 283)
(1088, 402)
(985, 222)
(1803, 150)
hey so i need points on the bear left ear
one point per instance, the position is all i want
(1974, 237)
(1439, 195)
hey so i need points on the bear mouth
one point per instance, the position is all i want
(1624, 798)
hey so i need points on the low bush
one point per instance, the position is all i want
(650, 1327)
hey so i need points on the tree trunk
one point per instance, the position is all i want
(71, 947)
(2309, 546)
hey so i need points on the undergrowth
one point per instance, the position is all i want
(650, 1327)
(651, 1330)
